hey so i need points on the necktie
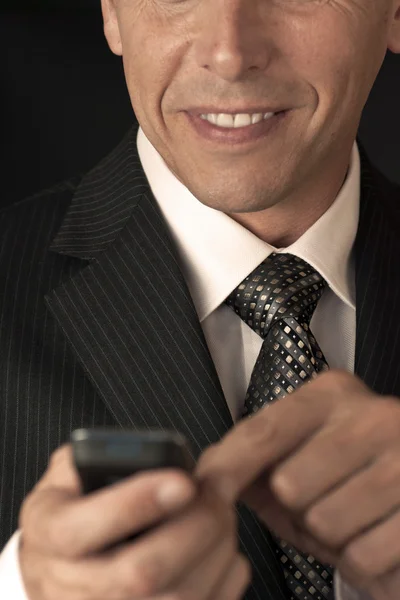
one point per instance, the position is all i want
(277, 300)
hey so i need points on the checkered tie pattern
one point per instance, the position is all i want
(277, 300)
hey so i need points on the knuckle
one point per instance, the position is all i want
(318, 525)
(287, 487)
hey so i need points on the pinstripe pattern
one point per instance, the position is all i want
(43, 390)
(377, 252)
(77, 265)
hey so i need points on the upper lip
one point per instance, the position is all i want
(213, 110)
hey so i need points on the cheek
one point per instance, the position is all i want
(143, 76)
(150, 67)
(333, 56)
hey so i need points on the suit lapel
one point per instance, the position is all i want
(128, 314)
(377, 253)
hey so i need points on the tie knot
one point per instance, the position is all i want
(281, 287)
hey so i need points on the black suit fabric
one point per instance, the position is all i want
(97, 328)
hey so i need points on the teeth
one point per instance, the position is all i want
(257, 118)
(236, 121)
(242, 121)
(224, 120)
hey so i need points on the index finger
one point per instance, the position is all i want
(259, 442)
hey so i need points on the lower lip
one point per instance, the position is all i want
(232, 136)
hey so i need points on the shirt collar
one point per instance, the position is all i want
(217, 253)
(328, 244)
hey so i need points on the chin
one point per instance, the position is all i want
(241, 197)
(232, 204)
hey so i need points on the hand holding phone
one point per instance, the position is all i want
(191, 550)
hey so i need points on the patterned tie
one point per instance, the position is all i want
(277, 300)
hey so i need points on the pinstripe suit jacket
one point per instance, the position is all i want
(97, 326)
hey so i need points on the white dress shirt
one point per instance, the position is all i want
(217, 254)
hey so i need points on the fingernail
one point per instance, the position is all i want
(174, 494)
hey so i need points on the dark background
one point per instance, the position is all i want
(64, 104)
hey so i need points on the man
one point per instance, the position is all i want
(243, 190)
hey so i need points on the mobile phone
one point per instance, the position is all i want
(105, 456)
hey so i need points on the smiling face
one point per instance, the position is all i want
(311, 63)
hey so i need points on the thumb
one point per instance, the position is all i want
(61, 472)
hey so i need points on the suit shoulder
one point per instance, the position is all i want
(42, 211)
(388, 195)
(377, 189)
(27, 268)
(56, 195)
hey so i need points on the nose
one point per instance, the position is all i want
(232, 38)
